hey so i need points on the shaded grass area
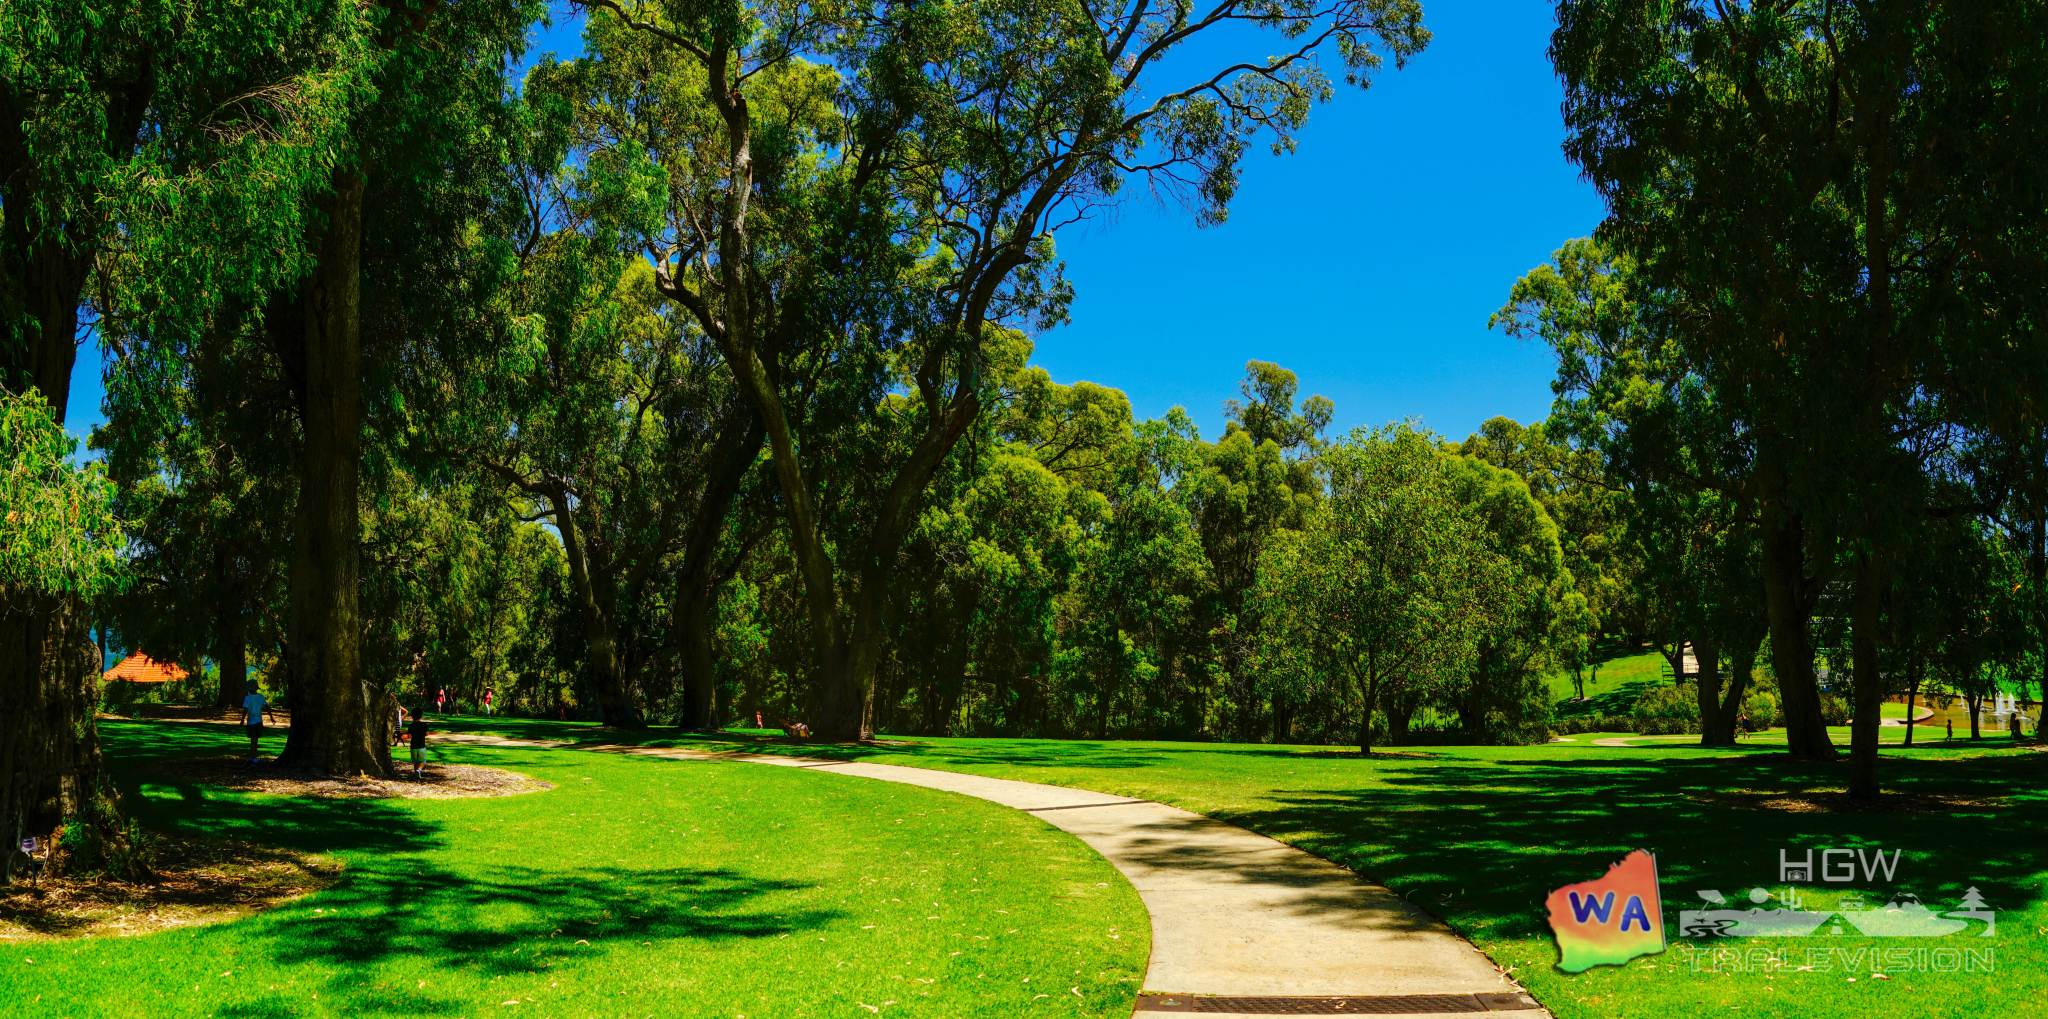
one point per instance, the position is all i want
(637, 887)
(1614, 689)
(1480, 835)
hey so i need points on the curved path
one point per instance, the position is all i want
(1235, 915)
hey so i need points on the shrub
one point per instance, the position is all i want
(1570, 724)
(1762, 708)
(1833, 710)
(1668, 702)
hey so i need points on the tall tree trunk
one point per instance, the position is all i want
(608, 678)
(1366, 696)
(2038, 567)
(1742, 660)
(50, 768)
(696, 613)
(1865, 610)
(1789, 608)
(1912, 701)
(1715, 731)
(333, 727)
(229, 654)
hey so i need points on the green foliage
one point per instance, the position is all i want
(58, 529)
(1667, 709)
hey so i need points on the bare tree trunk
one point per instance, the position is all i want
(1365, 721)
(333, 726)
(1741, 662)
(50, 769)
(1865, 609)
(229, 654)
(739, 442)
(1715, 731)
(1785, 583)
(1912, 702)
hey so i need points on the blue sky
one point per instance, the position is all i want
(1367, 262)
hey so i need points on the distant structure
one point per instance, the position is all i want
(143, 670)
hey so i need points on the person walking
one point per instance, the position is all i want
(255, 708)
(1951, 728)
(488, 710)
(418, 731)
(441, 700)
(394, 713)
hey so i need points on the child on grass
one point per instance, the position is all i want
(418, 731)
(255, 708)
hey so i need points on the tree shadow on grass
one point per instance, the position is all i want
(1484, 845)
(505, 921)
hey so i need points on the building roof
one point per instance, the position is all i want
(140, 668)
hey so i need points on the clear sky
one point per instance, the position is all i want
(1367, 262)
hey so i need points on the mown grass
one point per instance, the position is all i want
(635, 888)
(1481, 834)
(1619, 681)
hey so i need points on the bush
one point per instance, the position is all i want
(1667, 711)
(1568, 724)
(1833, 710)
(1667, 726)
(1762, 708)
(1669, 702)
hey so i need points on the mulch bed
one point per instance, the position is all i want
(441, 781)
(1836, 801)
(194, 881)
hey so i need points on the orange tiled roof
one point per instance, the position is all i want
(140, 668)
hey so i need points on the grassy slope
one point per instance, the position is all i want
(1480, 835)
(636, 888)
(1620, 681)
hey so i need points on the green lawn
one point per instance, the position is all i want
(1619, 683)
(636, 888)
(1480, 835)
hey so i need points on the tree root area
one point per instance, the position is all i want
(193, 881)
(437, 781)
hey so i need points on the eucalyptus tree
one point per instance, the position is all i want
(1570, 481)
(328, 178)
(1138, 575)
(604, 421)
(60, 547)
(1258, 478)
(1833, 191)
(1632, 389)
(101, 108)
(1381, 587)
(1527, 607)
(931, 221)
(204, 465)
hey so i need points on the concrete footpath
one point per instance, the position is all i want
(1235, 915)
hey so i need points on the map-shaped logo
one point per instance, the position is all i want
(1608, 921)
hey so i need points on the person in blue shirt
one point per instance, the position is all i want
(256, 709)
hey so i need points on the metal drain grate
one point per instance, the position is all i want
(1366, 1004)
